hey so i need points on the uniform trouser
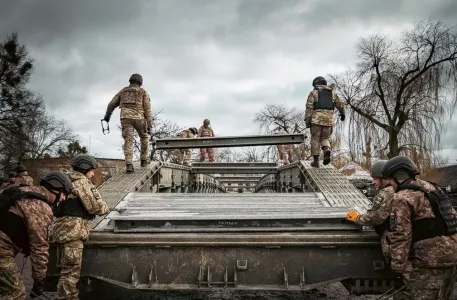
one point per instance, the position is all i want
(431, 283)
(11, 285)
(320, 138)
(128, 127)
(284, 153)
(187, 156)
(71, 255)
(210, 152)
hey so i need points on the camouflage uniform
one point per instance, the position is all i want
(186, 153)
(37, 216)
(321, 120)
(6, 185)
(433, 260)
(285, 153)
(70, 232)
(206, 132)
(136, 114)
(23, 179)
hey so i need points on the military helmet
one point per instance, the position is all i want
(55, 180)
(193, 130)
(20, 169)
(206, 121)
(136, 78)
(399, 163)
(376, 168)
(12, 174)
(319, 80)
(84, 163)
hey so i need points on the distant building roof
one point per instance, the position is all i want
(447, 175)
(353, 171)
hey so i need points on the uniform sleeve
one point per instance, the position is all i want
(309, 107)
(400, 233)
(90, 197)
(338, 103)
(38, 222)
(212, 133)
(147, 107)
(113, 104)
(200, 131)
(379, 211)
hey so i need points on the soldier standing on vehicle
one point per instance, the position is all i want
(22, 177)
(187, 153)
(206, 131)
(422, 232)
(136, 114)
(284, 151)
(71, 226)
(10, 182)
(320, 107)
(25, 216)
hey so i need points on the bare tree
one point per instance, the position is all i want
(397, 92)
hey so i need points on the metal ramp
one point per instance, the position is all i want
(336, 188)
(166, 212)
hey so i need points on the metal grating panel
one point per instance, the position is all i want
(336, 188)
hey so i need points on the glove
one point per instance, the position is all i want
(399, 282)
(38, 288)
(352, 215)
(342, 117)
(106, 118)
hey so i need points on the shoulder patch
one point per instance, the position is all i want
(96, 193)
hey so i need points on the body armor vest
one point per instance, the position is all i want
(131, 98)
(324, 100)
(14, 226)
(207, 132)
(72, 207)
(444, 223)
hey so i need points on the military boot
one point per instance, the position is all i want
(327, 155)
(129, 168)
(145, 163)
(315, 163)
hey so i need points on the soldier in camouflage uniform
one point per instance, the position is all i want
(23, 178)
(320, 106)
(136, 114)
(206, 131)
(187, 153)
(11, 181)
(284, 151)
(24, 224)
(71, 225)
(421, 234)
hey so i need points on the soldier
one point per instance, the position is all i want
(10, 182)
(320, 106)
(136, 115)
(187, 153)
(206, 131)
(71, 226)
(423, 232)
(23, 178)
(284, 151)
(24, 224)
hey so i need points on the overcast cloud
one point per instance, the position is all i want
(217, 59)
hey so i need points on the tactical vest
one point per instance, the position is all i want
(324, 100)
(444, 223)
(72, 207)
(131, 98)
(14, 226)
(207, 132)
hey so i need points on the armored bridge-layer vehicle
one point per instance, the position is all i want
(174, 227)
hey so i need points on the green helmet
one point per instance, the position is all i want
(376, 168)
(84, 163)
(399, 163)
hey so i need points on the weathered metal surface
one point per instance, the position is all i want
(223, 165)
(234, 170)
(239, 177)
(261, 261)
(228, 141)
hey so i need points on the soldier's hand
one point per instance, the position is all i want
(342, 117)
(38, 288)
(352, 215)
(106, 118)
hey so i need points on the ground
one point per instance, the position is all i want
(332, 291)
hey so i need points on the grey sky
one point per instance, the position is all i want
(217, 59)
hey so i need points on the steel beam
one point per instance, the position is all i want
(236, 178)
(235, 165)
(228, 141)
(234, 170)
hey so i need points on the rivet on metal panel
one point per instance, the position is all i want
(134, 277)
(241, 264)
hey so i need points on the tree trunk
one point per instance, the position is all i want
(393, 144)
